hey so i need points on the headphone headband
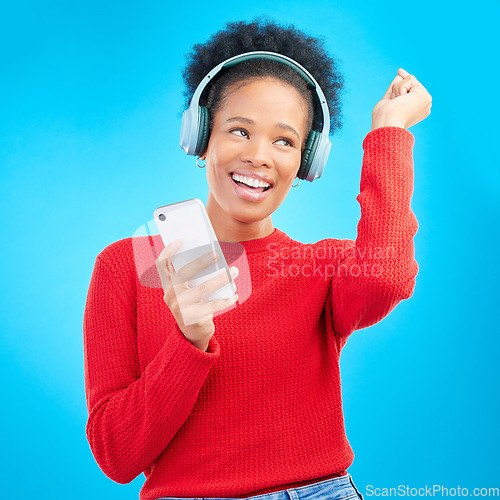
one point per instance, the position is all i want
(194, 130)
(273, 56)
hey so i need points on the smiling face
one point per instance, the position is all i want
(258, 132)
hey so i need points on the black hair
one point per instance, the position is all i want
(264, 34)
(239, 75)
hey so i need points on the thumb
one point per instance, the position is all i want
(164, 259)
(389, 94)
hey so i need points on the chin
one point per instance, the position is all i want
(248, 215)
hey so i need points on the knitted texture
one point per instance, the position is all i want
(261, 409)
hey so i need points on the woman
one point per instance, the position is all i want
(246, 401)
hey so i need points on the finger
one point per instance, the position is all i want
(171, 248)
(404, 86)
(388, 92)
(197, 313)
(212, 306)
(408, 84)
(403, 73)
(397, 90)
(164, 273)
(203, 290)
(164, 264)
(194, 267)
(169, 251)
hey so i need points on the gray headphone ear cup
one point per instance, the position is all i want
(203, 130)
(309, 154)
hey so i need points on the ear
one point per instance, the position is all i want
(203, 157)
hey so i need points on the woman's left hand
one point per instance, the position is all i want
(405, 103)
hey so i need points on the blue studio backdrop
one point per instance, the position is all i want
(90, 99)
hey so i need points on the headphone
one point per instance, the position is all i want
(195, 120)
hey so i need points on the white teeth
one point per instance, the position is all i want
(250, 181)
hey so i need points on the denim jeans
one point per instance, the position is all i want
(335, 488)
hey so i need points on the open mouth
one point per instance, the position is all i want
(250, 188)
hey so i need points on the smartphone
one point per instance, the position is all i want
(188, 222)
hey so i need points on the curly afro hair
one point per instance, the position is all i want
(265, 34)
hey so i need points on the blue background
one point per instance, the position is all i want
(90, 101)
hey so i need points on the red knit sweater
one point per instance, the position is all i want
(261, 410)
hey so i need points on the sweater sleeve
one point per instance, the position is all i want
(133, 413)
(378, 270)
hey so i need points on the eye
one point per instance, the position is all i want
(239, 132)
(285, 142)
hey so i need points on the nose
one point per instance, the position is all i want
(257, 152)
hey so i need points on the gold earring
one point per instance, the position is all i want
(297, 184)
(201, 166)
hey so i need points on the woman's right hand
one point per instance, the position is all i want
(193, 314)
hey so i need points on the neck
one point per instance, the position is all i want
(228, 228)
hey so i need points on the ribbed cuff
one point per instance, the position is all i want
(212, 352)
(398, 139)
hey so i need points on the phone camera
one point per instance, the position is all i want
(161, 217)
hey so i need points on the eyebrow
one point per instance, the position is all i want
(281, 125)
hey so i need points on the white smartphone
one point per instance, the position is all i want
(188, 222)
